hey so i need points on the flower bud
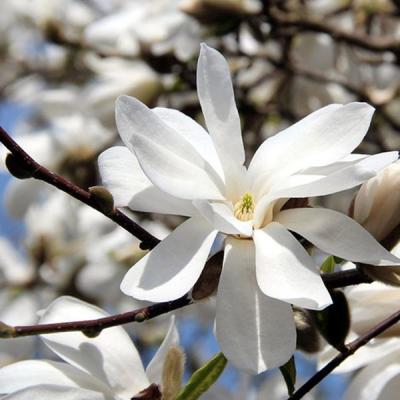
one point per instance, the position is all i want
(16, 168)
(334, 321)
(172, 373)
(103, 198)
(6, 331)
(308, 339)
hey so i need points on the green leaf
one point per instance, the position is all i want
(328, 265)
(203, 378)
(288, 372)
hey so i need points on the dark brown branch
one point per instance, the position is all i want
(94, 327)
(340, 279)
(309, 24)
(348, 350)
(39, 172)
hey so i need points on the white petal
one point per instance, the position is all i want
(122, 175)
(345, 178)
(215, 91)
(172, 268)
(51, 392)
(221, 217)
(166, 157)
(193, 133)
(377, 381)
(323, 137)
(255, 332)
(155, 367)
(111, 357)
(24, 374)
(336, 234)
(285, 271)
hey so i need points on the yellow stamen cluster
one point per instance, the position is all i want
(244, 208)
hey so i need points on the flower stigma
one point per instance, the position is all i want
(244, 208)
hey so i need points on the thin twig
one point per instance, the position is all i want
(93, 327)
(375, 44)
(348, 350)
(41, 173)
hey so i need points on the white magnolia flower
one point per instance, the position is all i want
(157, 25)
(107, 367)
(171, 165)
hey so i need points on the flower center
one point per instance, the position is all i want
(244, 208)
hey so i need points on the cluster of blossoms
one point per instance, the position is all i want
(237, 192)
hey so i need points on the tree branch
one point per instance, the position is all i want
(309, 24)
(93, 327)
(348, 350)
(41, 173)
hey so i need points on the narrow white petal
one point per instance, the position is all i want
(305, 185)
(255, 332)
(172, 268)
(24, 374)
(221, 217)
(111, 357)
(193, 133)
(168, 159)
(122, 175)
(51, 392)
(215, 91)
(323, 137)
(378, 381)
(155, 367)
(285, 271)
(336, 234)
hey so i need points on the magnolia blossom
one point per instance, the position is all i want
(172, 165)
(104, 367)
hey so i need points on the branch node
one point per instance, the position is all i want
(17, 168)
(7, 331)
(103, 199)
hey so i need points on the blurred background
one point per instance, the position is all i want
(62, 65)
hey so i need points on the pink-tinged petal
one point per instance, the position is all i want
(122, 175)
(51, 392)
(255, 332)
(168, 159)
(323, 137)
(215, 91)
(380, 380)
(155, 367)
(111, 357)
(221, 217)
(306, 185)
(336, 234)
(285, 271)
(172, 268)
(24, 374)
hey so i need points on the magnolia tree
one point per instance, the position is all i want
(229, 167)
